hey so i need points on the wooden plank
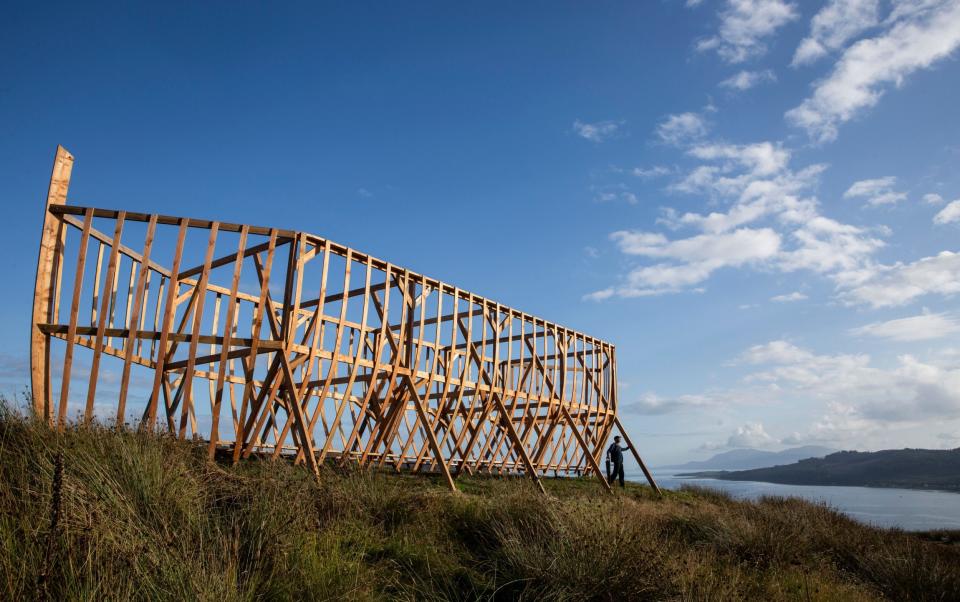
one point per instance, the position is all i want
(136, 316)
(105, 313)
(46, 290)
(197, 320)
(227, 336)
(150, 414)
(72, 328)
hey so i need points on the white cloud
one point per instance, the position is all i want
(899, 284)
(757, 181)
(653, 172)
(744, 25)
(922, 327)
(851, 396)
(870, 187)
(744, 80)
(933, 198)
(836, 23)
(682, 128)
(751, 434)
(950, 213)
(857, 392)
(601, 295)
(824, 245)
(774, 352)
(788, 298)
(691, 260)
(920, 38)
(653, 404)
(878, 191)
(597, 132)
(609, 196)
(761, 159)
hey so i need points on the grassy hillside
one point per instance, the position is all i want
(92, 514)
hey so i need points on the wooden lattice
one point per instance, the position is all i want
(267, 341)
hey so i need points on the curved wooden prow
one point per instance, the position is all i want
(49, 267)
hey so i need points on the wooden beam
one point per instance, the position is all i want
(47, 290)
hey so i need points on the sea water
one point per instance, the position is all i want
(908, 509)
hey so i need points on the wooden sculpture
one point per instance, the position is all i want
(278, 342)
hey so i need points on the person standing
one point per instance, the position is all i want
(615, 459)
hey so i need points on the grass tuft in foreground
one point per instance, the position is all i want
(96, 514)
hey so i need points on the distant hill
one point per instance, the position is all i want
(742, 459)
(907, 468)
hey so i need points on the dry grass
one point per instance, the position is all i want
(130, 516)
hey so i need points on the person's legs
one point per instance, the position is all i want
(620, 473)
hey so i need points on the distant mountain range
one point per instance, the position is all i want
(907, 468)
(742, 459)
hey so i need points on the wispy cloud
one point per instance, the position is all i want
(598, 131)
(876, 192)
(744, 27)
(744, 80)
(917, 39)
(789, 297)
(682, 128)
(902, 283)
(760, 186)
(692, 260)
(652, 404)
(921, 327)
(949, 214)
(837, 22)
(651, 172)
(611, 196)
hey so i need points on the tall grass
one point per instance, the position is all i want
(130, 516)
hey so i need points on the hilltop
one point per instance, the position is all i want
(94, 513)
(906, 468)
(746, 458)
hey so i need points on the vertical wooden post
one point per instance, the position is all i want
(46, 290)
(135, 320)
(636, 456)
(74, 310)
(106, 310)
(169, 308)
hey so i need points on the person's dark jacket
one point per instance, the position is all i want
(615, 453)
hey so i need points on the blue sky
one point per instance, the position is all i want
(758, 201)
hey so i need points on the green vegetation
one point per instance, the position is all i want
(96, 514)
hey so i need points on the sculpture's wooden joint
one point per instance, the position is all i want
(276, 342)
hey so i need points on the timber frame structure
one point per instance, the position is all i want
(329, 355)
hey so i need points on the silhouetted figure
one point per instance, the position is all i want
(615, 461)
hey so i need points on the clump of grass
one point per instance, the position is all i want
(129, 516)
